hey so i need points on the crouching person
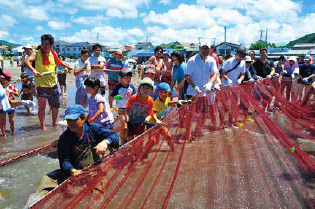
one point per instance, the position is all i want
(80, 146)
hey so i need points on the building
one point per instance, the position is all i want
(144, 45)
(60, 47)
(175, 44)
(75, 49)
(301, 46)
(227, 48)
(90, 46)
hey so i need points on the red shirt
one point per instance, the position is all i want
(216, 58)
(139, 109)
(12, 88)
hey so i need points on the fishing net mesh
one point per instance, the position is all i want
(243, 146)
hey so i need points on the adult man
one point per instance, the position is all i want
(46, 85)
(28, 50)
(307, 71)
(264, 68)
(167, 74)
(98, 64)
(234, 68)
(80, 146)
(158, 62)
(116, 65)
(202, 74)
(213, 54)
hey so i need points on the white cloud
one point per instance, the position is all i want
(227, 4)
(3, 34)
(166, 2)
(183, 16)
(28, 39)
(7, 21)
(108, 36)
(117, 8)
(99, 19)
(58, 25)
(39, 28)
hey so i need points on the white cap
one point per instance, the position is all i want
(293, 58)
(248, 59)
(205, 44)
(27, 47)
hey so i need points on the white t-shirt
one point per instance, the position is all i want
(234, 74)
(97, 73)
(79, 79)
(200, 72)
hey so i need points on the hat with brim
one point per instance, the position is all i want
(27, 47)
(205, 44)
(147, 81)
(248, 59)
(292, 58)
(307, 57)
(150, 69)
(74, 111)
(118, 52)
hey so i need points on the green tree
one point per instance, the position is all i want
(261, 44)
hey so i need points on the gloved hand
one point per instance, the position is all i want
(269, 76)
(259, 78)
(158, 121)
(216, 87)
(284, 72)
(252, 80)
(197, 89)
(28, 103)
(208, 86)
(305, 81)
(239, 81)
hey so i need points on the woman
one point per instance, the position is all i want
(279, 65)
(178, 75)
(82, 70)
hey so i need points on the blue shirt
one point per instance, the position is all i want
(179, 72)
(95, 132)
(307, 70)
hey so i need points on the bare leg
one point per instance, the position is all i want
(41, 111)
(65, 89)
(27, 110)
(61, 89)
(3, 123)
(54, 114)
(11, 121)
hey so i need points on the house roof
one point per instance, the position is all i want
(79, 44)
(61, 42)
(229, 44)
(304, 45)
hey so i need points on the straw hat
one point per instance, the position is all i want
(118, 52)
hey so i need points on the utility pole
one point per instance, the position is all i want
(261, 34)
(266, 43)
(97, 37)
(199, 38)
(214, 41)
(225, 40)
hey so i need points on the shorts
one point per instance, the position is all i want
(51, 94)
(112, 84)
(135, 129)
(62, 79)
(11, 111)
(122, 111)
(28, 96)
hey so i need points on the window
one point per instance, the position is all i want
(74, 49)
(68, 49)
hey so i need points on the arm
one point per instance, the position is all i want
(77, 71)
(64, 150)
(99, 112)
(107, 136)
(101, 65)
(111, 99)
(29, 65)
(241, 78)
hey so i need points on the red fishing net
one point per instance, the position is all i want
(247, 146)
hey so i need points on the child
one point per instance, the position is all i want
(12, 91)
(99, 110)
(149, 72)
(126, 90)
(28, 90)
(160, 109)
(139, 106)
(62, 77)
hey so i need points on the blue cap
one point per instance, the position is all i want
(74, 111)
(163, 87)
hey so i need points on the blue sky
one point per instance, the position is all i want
(121, 22)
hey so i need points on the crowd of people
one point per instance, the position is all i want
(100, 82)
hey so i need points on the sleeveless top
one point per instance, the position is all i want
(45, 80)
